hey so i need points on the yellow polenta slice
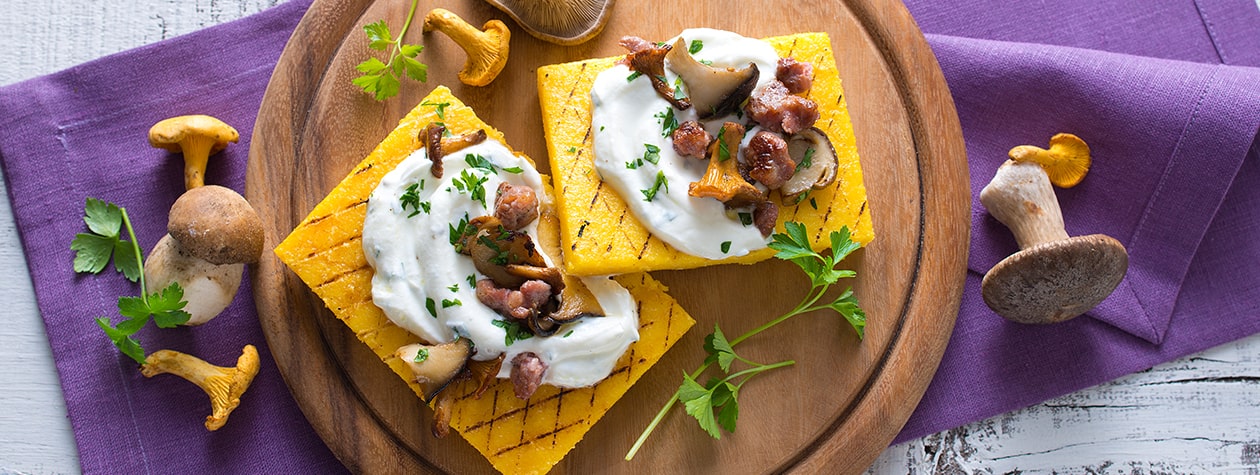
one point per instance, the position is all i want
(598, 233)
(516, 436)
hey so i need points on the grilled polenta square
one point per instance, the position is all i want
(516, 436)
(599, 235)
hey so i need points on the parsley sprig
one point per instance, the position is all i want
(384, 78)
(93, 251)
(716, 403)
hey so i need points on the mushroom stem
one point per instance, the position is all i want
(224, 385)
(1020, 196)
(196, 155)
(487, 50)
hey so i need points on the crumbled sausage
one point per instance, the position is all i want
(765, 215)
(796, 76)
(527, 373)
(635, 44)
(768, 159)
(515, 206)
(691, 140)
(518, 304)
(776, 109)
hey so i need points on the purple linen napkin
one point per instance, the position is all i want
(1174, 174)
(83, 133)
(1169, 140)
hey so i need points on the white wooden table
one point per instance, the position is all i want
(1199, 414)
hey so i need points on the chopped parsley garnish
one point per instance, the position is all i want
(808, 161)
(652, 153)
(726, 247)
(472, 185)
(745, 219)
(411, 197)
(472, 281)
(513, 169)
(650, 193)
(441, 108)
(479, 162)
(566, 335)
(453, 288)
(572, 149)
(678, 90)
(634, 164)
(669, 123)
(724, 153)
(695, 47)
(448, 303)
(431, 306)
(459, 232)
(421, 356)
(813, 203)
(501, 255)
(634, 75)
(512, 331)
(706, 62)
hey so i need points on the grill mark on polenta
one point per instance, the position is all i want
(494, 409)
(541, 436)
(364, 168)
(317, 219)
(643, 249)
(320, 252)
(599, 188)
(669, 324)
(341, 275)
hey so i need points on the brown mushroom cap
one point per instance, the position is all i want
(563, 22)
(1055, 281)
(216, 224)
(170, 134)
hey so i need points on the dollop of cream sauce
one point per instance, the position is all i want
(626, 117)
(416, 263)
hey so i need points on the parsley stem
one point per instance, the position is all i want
(406, 24)
(135, 247)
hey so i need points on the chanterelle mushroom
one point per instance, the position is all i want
(1066, 162)
(487, 50)
(722, 181)
(197, 137)
(563, 22)
(212, 233)
(224, 385)
(1053, 277)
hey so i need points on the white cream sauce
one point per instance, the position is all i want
(415, 263)
(624, 119)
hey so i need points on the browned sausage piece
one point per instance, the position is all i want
(777, 110)
(796, 76)
(768, 159)
(518, 304)
(515, 206)
(527, 373)
(691, 140)
(765, 215)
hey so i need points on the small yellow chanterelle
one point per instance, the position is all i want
(1066, 163)
(224, 385)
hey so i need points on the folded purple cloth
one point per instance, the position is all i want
(1174, 178)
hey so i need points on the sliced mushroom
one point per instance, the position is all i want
(435, 365)
(722, 181)
(714, 92)
(494, 247)
(576, 302)
(650, 62)
(816, 164)
(551, 275)
(484, 373)
(442, 414)
(432, 138)
(454, 144)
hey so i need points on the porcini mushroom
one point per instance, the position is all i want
(224, 385)
(1066, 162)
(1053, 277)
(816, 164)
(211, 234)
(714, 92)
(197, 137)
(434, 366)
(563, 22)
(487, 50)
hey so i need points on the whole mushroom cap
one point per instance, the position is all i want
(170, 134)
(217, 224)
(563, 22)
(1055, 281)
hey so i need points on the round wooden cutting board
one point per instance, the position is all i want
(833, 411)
